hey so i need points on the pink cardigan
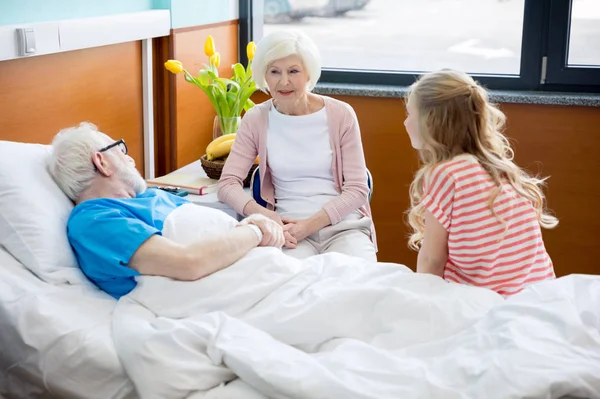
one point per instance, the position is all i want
(349, 175)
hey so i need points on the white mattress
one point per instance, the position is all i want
(55, 341)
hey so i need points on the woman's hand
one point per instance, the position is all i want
(274, 216)
(298, 229)
(290, 241)
(302, 228)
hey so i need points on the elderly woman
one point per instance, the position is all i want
(312, 166)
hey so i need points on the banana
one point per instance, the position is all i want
(218, 141)
(220, 150)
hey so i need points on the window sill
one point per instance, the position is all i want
(498, 96)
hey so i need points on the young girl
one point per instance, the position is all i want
(476, 215)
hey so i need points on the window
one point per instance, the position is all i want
(506, 44)
(574, 45)
(420, 35)
(584, 34)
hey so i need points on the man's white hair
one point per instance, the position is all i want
(71, 163)
(281, 44)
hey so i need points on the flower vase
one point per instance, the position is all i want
(225, 125)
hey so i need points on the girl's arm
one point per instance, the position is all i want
(434, 250)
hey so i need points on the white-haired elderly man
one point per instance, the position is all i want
(116, 226)
(311, 160)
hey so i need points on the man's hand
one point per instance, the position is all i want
(272, 232)
(274, 216)
(252, 208)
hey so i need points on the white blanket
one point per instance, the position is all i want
(333, 326)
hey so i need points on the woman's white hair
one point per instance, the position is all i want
(71, 163)
(281, 44)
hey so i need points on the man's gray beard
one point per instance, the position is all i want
(130, 176)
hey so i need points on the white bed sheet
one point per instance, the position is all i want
(333, 326)
(55, 341)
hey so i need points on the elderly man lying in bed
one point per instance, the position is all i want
(116, 226)
(330, 325)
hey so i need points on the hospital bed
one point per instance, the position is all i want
(57, 331)
(55, 326)
(55, 338)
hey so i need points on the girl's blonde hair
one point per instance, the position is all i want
(455, 117)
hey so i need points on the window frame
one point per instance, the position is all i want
(544, 52)
(558, 71)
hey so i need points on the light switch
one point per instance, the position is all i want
(26, 41)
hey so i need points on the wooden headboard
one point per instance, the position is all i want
(103, 85)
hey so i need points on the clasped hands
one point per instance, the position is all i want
(294, 230)
(279, 231)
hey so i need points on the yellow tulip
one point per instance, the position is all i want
(250, 50)
(174, 66)
(209, 46)
(215, 59)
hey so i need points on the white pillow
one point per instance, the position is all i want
(34, 213)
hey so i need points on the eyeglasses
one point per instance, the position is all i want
(120, 143)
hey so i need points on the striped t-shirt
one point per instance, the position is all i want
(503, 253)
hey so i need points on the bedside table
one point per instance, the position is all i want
(209, 200)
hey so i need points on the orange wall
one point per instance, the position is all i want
(194, 114)
(555, 141)
(41, 95)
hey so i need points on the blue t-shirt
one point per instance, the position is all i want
(106, 232)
